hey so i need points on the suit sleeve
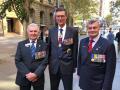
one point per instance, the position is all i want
(110, 67)
(49, 45)
(75, 48)
(79, 60)
(19, 62)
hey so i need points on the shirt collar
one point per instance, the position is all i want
(31, 41)
(64, 27)
(96, 38)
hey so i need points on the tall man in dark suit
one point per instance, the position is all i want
(31, 60)
(63, 43)
(96, 61)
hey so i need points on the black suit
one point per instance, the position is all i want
(62, 65)
(25, 64)
(94, 73)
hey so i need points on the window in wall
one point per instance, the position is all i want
(49, 1)
(42, 17)
(51, 19)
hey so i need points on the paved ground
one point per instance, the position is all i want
(8, 69)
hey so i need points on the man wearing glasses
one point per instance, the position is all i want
(63, 43)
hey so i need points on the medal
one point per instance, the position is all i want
(92, 60)
(59, 45)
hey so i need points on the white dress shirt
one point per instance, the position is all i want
(63, 32)
(34, 43)
(95, 40)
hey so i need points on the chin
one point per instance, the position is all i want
(92, 36)
(33, 38)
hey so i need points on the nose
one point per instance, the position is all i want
(92, 29)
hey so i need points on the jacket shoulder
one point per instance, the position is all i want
(84, 39)
(104, 40)
(23, 41)
(52, 28)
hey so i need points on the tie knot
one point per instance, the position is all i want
(61, 30)
(91, 40)
(33, 41)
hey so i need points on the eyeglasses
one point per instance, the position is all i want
(60, 16)
(92, 27)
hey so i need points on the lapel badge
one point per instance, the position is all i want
(27, 44)
(97, 49)
(39, 45)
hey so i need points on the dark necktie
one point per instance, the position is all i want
(60, 36)
(61, 30)
(33, 50)
(90, 45)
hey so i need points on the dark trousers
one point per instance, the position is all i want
(34, 87)
(66, 79)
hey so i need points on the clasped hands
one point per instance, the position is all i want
(31, 77)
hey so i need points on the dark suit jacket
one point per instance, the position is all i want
(25, 64)
(68, 60)
(96, 75)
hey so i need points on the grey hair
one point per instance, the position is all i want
(93, 20)
(32, 25)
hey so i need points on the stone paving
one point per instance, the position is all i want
(8, 70)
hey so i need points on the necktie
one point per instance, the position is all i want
(60, 44)
(33, 50)
(60, 37)
(61, 31)
(90, 45)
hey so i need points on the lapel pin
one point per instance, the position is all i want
(39, 46)
(97, 49)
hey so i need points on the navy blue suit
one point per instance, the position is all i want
(25, 64)
(96, 75)
(62, 64)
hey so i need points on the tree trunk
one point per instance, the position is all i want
(25, 24)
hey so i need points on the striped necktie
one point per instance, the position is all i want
(33, 50)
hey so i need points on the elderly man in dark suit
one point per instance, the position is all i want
(63, 43)
(96, 61)
(31, 60)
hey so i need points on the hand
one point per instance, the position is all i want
(31, 77)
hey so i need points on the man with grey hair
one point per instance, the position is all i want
(31, 60)
(96, 60)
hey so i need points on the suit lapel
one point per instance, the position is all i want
(55, 36)
(67, 33)
(84, 50)
(38, 45)
(98, 45)
(27, 47)
(86, 45)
